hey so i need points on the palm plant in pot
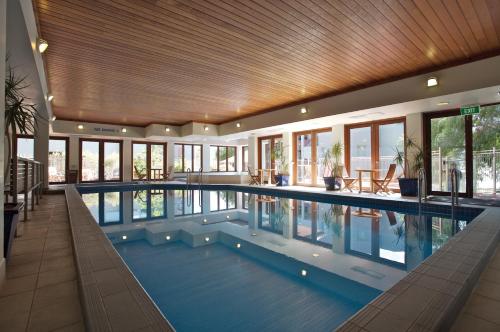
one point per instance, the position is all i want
(21, 117)
(408, 182)
(282, 176)
(332, 165)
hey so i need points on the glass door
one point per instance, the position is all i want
(267, 146)
(304, 160)
(310, 148)
(90, 161)
(100, 160)
(360, 149)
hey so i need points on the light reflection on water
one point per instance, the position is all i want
(401, 240)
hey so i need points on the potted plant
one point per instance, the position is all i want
(332, 165)
(282, 176)
(22, 116)
(408, 182)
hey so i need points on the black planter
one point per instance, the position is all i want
(281, 180)
(10, 216)
(333, 182)
(408, 187)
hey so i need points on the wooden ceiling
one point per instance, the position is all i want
(165, 61)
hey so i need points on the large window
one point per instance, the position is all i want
(373, 145)
(222, 158)
(100, 160)
(188, 157)
(26, 147)
(58, 159)
(149, 161)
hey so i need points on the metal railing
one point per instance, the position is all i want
(422, 186)
(26, 177)
(454, 192)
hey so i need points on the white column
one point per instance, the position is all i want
(3, 28)
(414, 131)
(170, 155)
(127, 160)
(74, 147)
(252, 152)
(127, 207)
(288, 151)
(42, 148)
(206, 158)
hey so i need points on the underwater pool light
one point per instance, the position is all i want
(238, 245)
(124, 237)
(207, 239)
(315, 254)
(205, 220)
(303, 273)
(167, 237)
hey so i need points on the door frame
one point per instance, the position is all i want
(101, 159)
(66, 161)
(259, 151)
(148, 158)
(314, 152)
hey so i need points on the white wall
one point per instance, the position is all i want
(3, 28)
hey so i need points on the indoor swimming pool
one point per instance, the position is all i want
(231, 260)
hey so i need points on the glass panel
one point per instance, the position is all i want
(197, 201)
(304, 219)
(179, 202)
(188, 158)
(244, 163)
(222, 200)
(360, 149)
(112, 204)
(448, 151)
(214, 201)
(231, 159)
(391, 137)
(178, 158)
(139, 161)
(213, 159)
(57, 160)
(304, 159)
(157, 203)
(26, 147)
(231, 199)
(222, 158)
(323, 143)
(197, 164)
(90, 161)
(486, 151)
(157, 161)
(329, 224)
(111, 161)
(92, 203)
(361, 232)
(140, 204)
(266, 154)
(392, 237)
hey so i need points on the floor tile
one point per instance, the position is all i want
(56, 276)
(18, 285)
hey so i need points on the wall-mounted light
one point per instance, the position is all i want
(124, 130)
(53, 118)
(205, 220)
(303, 110)
(207, 239)
(227, 217)
(432, 81)
(50, 97)
(124, 237)
(167, 237)
(80, 126)
(238, 125)
(42, 45)
(167, 129)
(205, 128)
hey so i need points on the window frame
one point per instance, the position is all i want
(101, 159)
(14, 153)
(148, 159)
(235, 148)
(192, 158)
(66, 162)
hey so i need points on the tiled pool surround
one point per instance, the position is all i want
(444, 278)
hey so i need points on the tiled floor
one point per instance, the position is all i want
(481, 313)
(41, 290)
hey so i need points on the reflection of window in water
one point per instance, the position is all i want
(187, 202)
(92, 203)
(139, 204)
(392, 239)
(112, 207)
(222, 200)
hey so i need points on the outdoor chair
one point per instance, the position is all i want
(140, 174)
(254, 177)
(168, 173)
(383, 184)
(348, 181)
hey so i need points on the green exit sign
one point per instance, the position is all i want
(466, 110)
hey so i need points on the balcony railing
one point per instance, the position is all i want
(26, 179)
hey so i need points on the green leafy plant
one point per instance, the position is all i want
(280, 160)
(332, 161)
(414, 161)
(21, 116)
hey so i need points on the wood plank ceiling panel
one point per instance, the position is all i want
(166, 61)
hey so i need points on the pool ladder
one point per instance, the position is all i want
(454, 192)
(421, 188)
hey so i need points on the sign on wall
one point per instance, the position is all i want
(467, 110)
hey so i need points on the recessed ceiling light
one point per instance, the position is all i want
(167, 237)
(42, 45)
(50, 97)
(303, 110)
(124, 130)
(432, 81)
(205, 128)
(315, 254)
(443, 103)
(124, 237)
(238, 245)
(207, 239)
(167, 129)
(80, 126)
(303, 273)
(238, 125)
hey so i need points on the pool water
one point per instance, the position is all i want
(226, 260)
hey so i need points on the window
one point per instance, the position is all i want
(244, 158)
(58, 159)
(187, 157)
(100, 160)
(149, 161)
(222, 200)
(188, 202)
(26, 147)
(245, 200)
(267, 146)
(106, 208)
(148, 204)
(223, 158)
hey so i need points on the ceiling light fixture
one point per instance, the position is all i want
(42, 45)
(205, 128)
(303, 110)
(443, 103)
(50, 97)
(167, 129)
(238, 125)
(124, 130)
(80, 126)
(53, 118)
(432, 81)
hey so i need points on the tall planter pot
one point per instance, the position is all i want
(11, 217)
(333, 183)
(281, 180)
(408, 187)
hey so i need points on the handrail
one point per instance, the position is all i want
(454, 192)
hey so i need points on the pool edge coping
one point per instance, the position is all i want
(465, 255)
